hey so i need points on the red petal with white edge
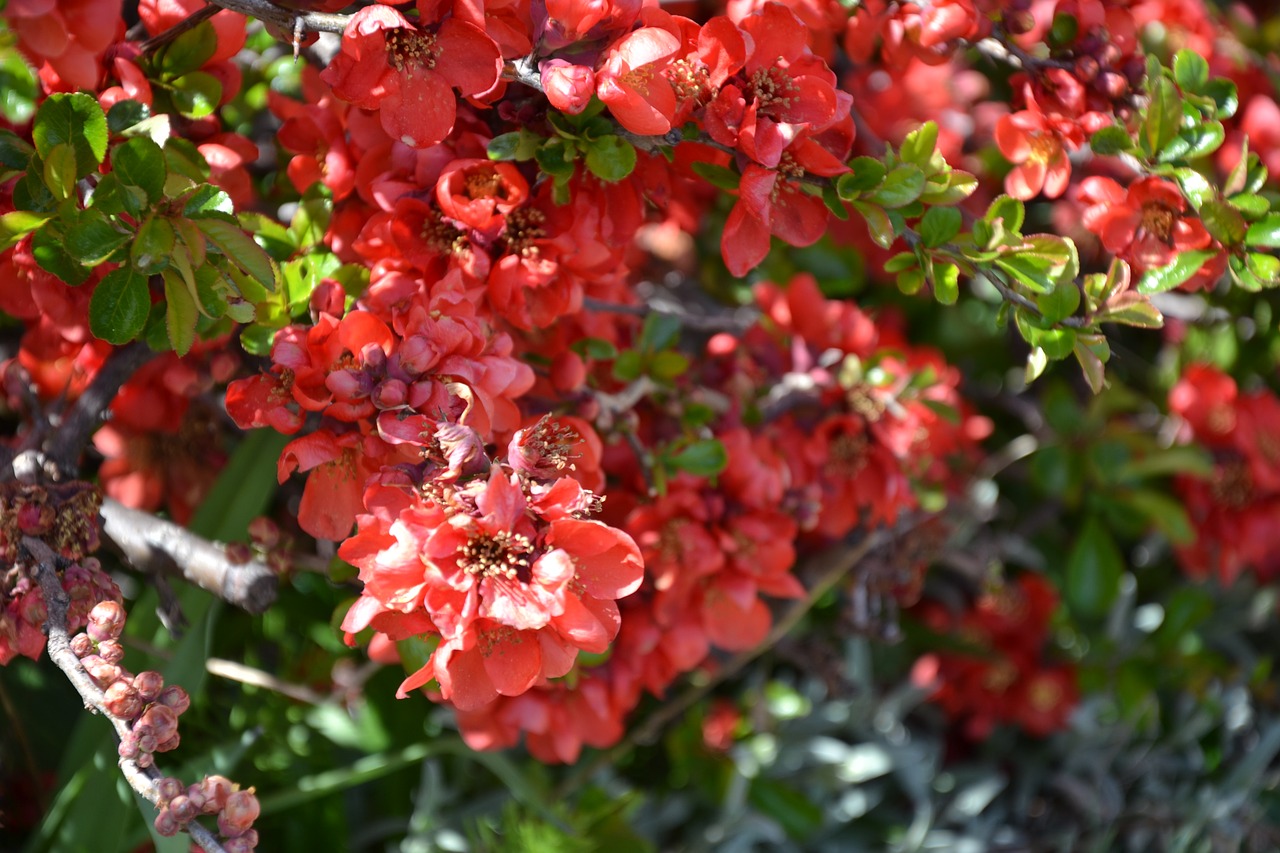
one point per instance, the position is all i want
(608, 561)
(420, 111)
(360, 615)
(644, 46)
(467, 58)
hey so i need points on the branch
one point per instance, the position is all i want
(190, 22)
(162, 547)
(86, 413)
(289, 20)
(55, 597)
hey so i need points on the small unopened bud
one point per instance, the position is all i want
(144, 760)
(163, 720)
(569, 87)
(121, 700)
(264, 532)
(169, 744)
(99, 670)
(81, 645)
(239, 553)
(196, 795)
(241, 843)
(174, 697)
(148, 684)
(128, 748)
(106, 621)
(166, 824)
(183, 809)
(111, 651)
(238, 814)
(216, 790)
(168, 788)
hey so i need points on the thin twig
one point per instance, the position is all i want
(234, 671)
(142, 780)
(188, 23)
(87, 411)
(289, 20)
(158, 546)
(734, 320)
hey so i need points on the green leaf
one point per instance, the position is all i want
(17, 224)
(910, 281)
(1164, 116)
(557, 158)
(1223, 221)
(206, 201)
(112, 197)
(834, 203)
(628, 365)
(1134, 312)
(1264, 232)
(611, 158)
(140, 163)
(1180, 270)
(1037, 361)
(1178, 459)
(94, 238)
(60, 171)
(180, 313)
(867, 174)
(1059, 303)
(153, 246)
(1094, 569)
(704, 458)
(1190, 71)
(119, 306)
(597, 349)
(901, 261)
(946, 283)
(1165, 512)
(1250, 205)
(189, 51)
(125, 114)
(15, 153)
(182, 157)
(1192, 142)
(919, 144)
(1056, 343)
(668, 365)
(1265, 267)
(49, 250)
(1092, 352)
(1041, 262)
(798, 816)
(196, 94)
(879, 226)
(717, 176)
(1194, 186)
(518, 145)
(901, 186)
(240, 249)
(1225, 97)
(939, 225)
(960, 185)
(1009, 210)
(1110, 140)
(659, 332)
(76, 120)
(18, 90)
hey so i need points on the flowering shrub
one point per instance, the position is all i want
(450, 344)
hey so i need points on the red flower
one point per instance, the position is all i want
(408, 74)
(1029, 141)
(631, 83)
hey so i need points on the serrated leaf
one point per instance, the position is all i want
(518, 145)
(112, 196)
(1057, 343)
(1190, 71)
(119, 307)
(866, 174)
(1059, 303)
(240, 249)
(1180, 270)
(1250, 205)
(189, 51)
(705, 458)
(179, 313)
(611, 158)
(140, 163)
(1225, 97)
(74, 119)
(196, 94)
(1264, 232)
(919, 144)
(1265, 267)
(60, 171)
(1094, 569)
(182, 157)
(959, 186)
(1164, 116)
(125, 114)
(94, 238)
(1008, 210)
(17, 224)
(1223, 222)
(901, 186)
(1197, 141)
(1133, 309)
(1194, 186)
(15, 153)
(47, 247)
(939, 225)
(946, 283)
(153, 246)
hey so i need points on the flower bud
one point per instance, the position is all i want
(569, 87)
(168, 788)
(216, 791)
(264, 532)
(166, 824)
(196, 795)
(174, 697)
(241, 843)
(238, 814)
(99, 670)
(162, 719)
(111, 651)
(106, 621)
(148, 684)
(81, 645)
(169, 744)
(128, 748)
(121, 700)
(183, 809)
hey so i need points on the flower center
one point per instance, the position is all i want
(1158, 220)
(441, 237)
(771, 86)
(483, 184)
(498, 555)
(524, 228)
(1232, 486)
(1044, 148)
(848, 454)
(408, 51)
(638, 79)
(691, 81)
(1044, 694)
